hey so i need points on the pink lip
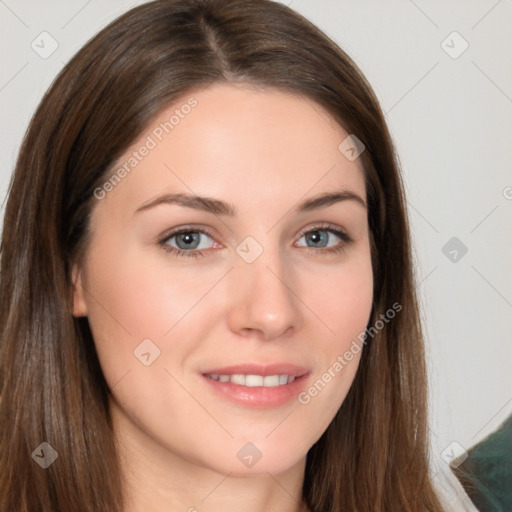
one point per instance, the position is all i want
(258, 397)
(260, 369)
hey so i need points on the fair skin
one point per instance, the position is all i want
(264, 152)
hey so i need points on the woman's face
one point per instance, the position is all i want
(269, 276)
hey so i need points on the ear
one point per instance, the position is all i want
(79, 304)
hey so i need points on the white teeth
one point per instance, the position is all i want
(238, 379)
(269, 381)
(253, 380)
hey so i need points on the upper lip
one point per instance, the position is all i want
(259, 369)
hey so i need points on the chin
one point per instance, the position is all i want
(246, 458)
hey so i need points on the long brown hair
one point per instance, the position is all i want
(374, 454)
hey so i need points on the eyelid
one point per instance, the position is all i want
(337, 230)
(185, 229)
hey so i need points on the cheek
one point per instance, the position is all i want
(132, 296)
(342, 301)
(126, 305)
(342, 298)
(141, 295)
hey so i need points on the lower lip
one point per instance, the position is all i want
(258, 397)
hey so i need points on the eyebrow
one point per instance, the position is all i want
(218, 207)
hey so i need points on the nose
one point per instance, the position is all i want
(263, 302)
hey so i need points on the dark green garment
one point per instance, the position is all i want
(486, 474)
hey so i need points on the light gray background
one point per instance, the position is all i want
(451, 119)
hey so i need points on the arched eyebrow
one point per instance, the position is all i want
(329, 198)
(218, 207)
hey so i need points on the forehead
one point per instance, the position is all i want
(241, 143)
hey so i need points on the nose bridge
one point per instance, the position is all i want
(262, 297)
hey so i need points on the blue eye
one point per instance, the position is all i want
(188, 242)
(318, 238)
(326, 239)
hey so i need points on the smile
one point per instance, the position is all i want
(251, 381)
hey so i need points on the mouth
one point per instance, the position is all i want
(257, 386)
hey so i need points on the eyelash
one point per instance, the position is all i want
(341, 246)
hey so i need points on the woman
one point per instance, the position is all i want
(207, 296)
